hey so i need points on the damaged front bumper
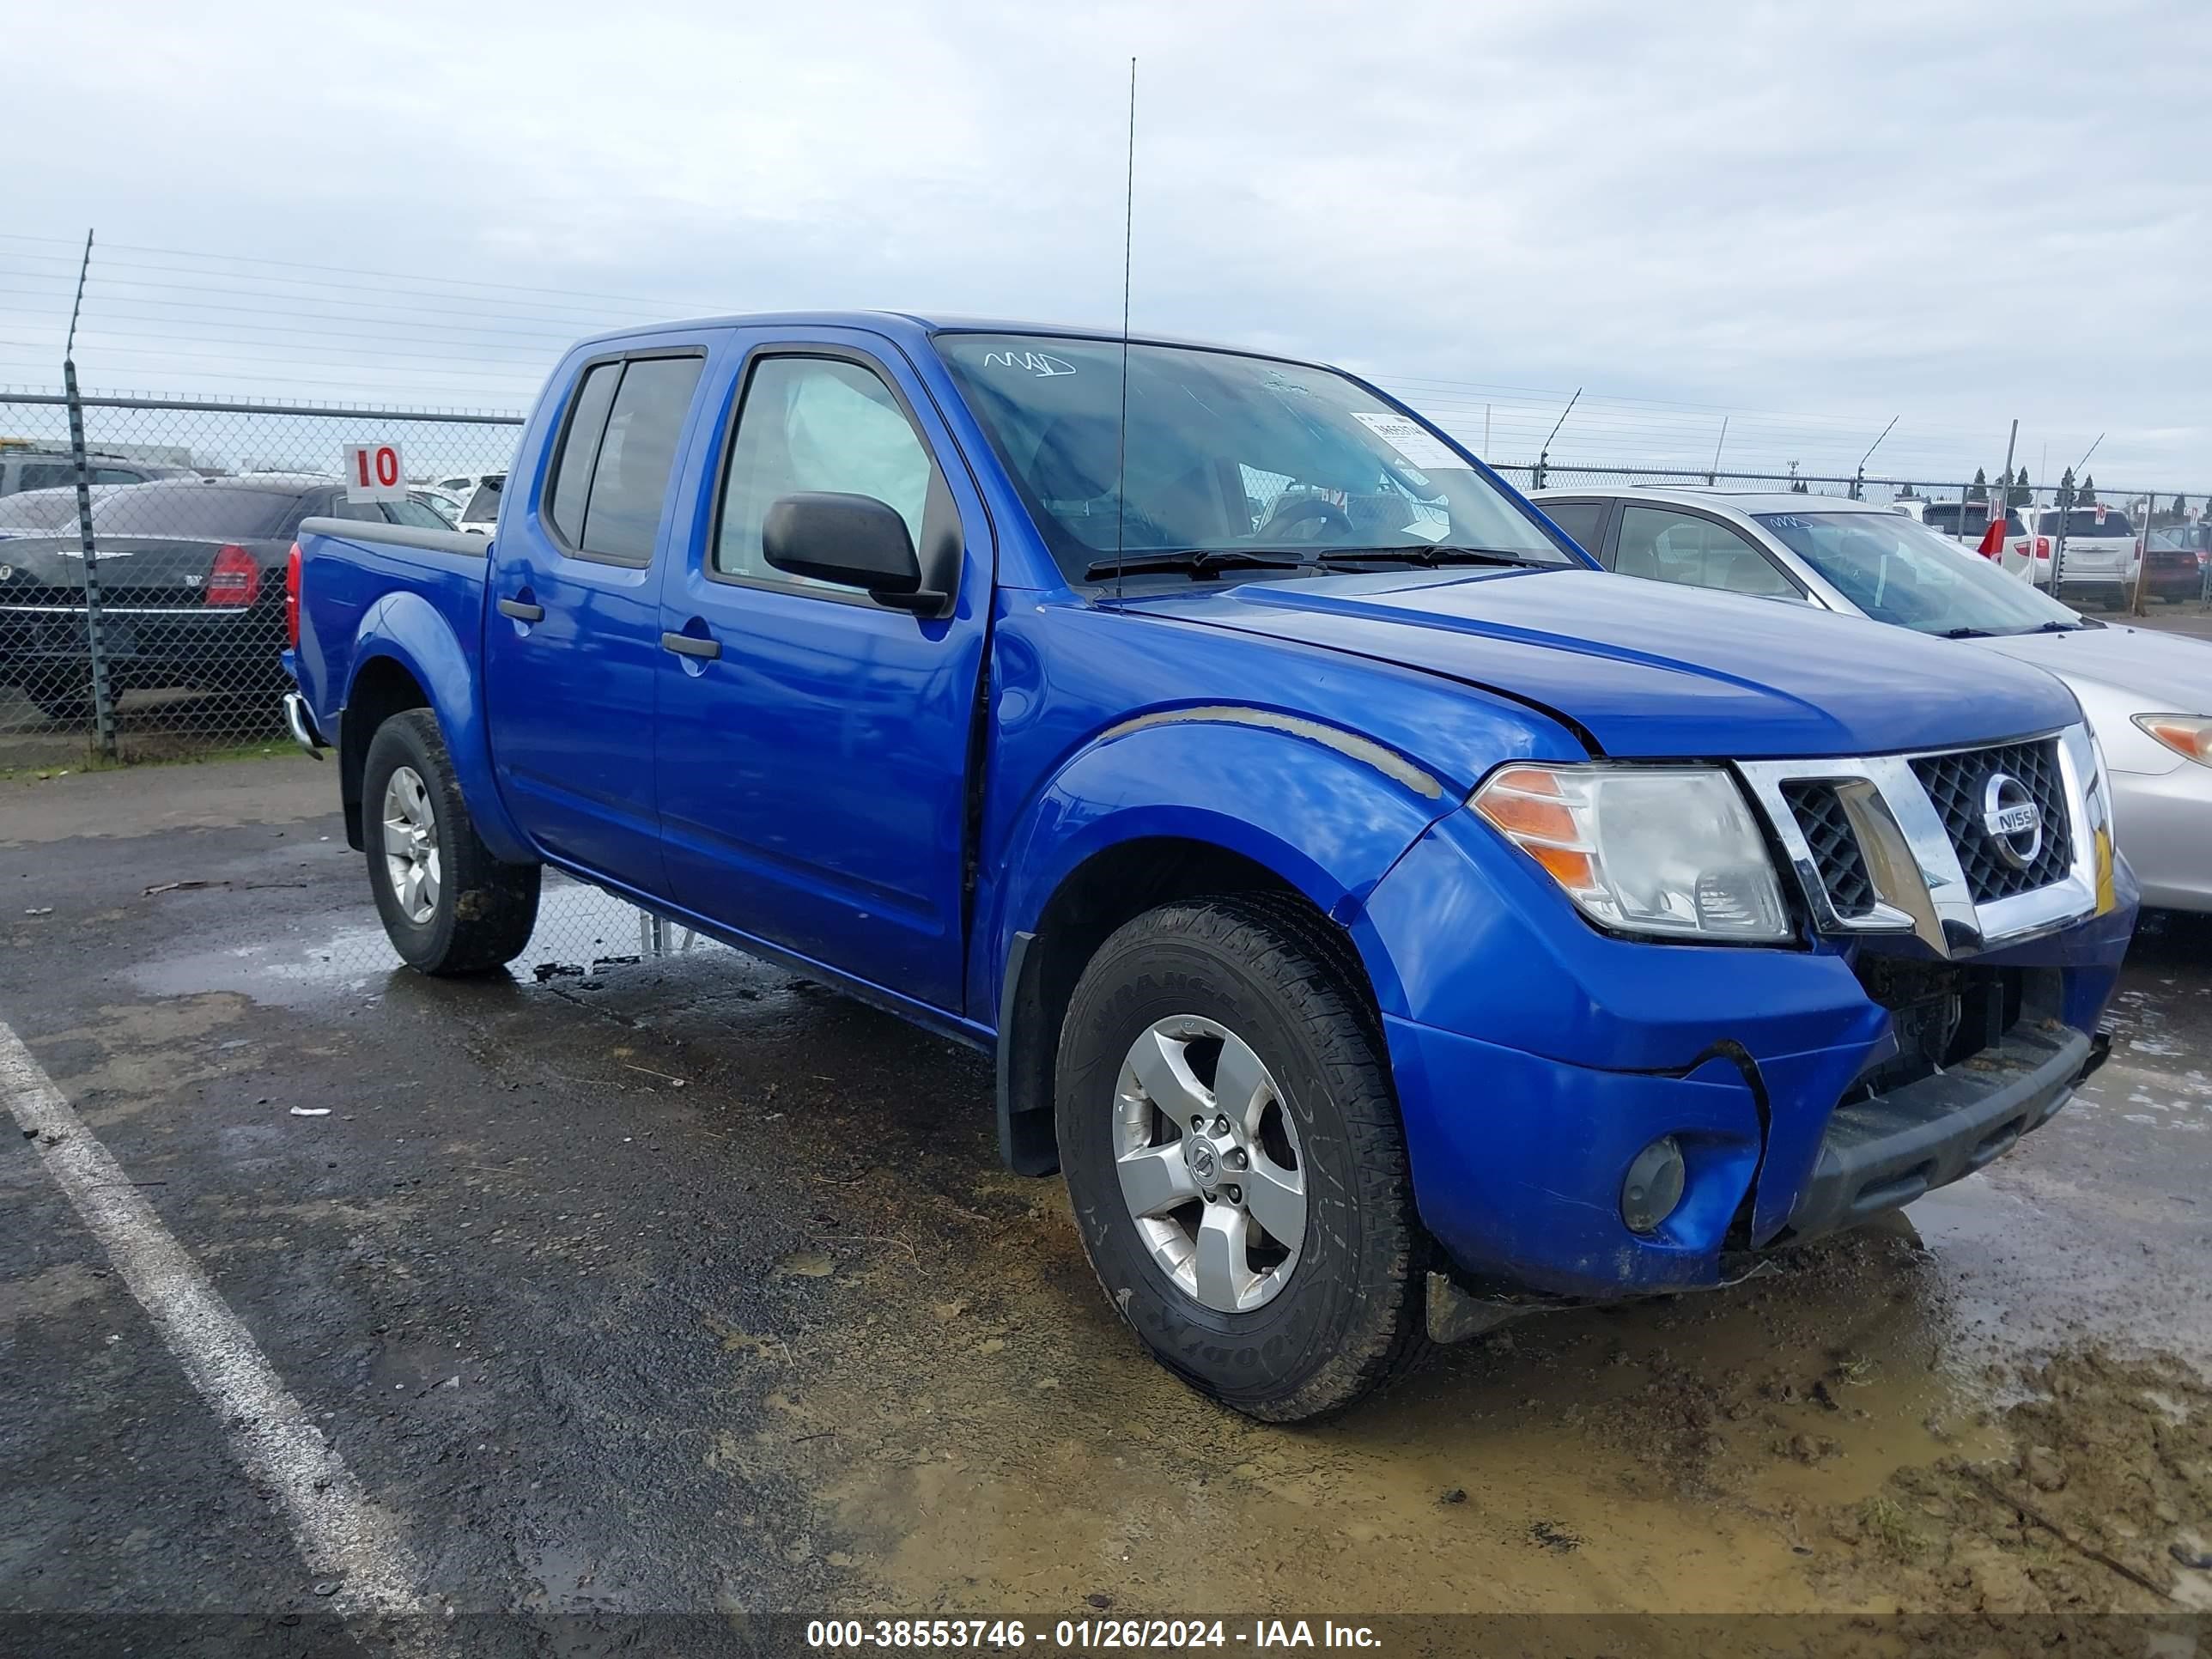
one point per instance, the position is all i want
(1776, 1151)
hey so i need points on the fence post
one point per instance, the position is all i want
(103, 698)
(2143, 560)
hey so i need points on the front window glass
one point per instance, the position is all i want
(1898, 572)
(815, 423)
(1222, 453)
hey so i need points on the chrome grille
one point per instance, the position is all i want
(1836, 855)
(1955, 784)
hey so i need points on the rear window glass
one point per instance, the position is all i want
(44, 509)
(1944, 516)
(44, 475)
(197, 511)
(571, 484)
(2082, 524)
(622, 514)
(1580, 520)
(484, 504)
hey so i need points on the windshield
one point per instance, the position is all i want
(1224, 453)
(194, 511)
(1897, 572)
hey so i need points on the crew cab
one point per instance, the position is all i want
(1387, 921)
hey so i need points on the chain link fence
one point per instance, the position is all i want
(141, 618)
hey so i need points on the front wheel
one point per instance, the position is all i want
(1233, 1151)
(449, 907)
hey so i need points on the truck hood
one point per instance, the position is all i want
(1651, 671)
(2171, 673)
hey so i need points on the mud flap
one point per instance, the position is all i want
(1454, 1315)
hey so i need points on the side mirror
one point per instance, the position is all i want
(855, 541)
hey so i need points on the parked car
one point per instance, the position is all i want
(480, 516)
(2095, 552)
(460, 485)
(2178, 558)
(1967, 521)
(24, 468)
(447, 510)
(191, 575)
(1370, 904)
(2147, 695)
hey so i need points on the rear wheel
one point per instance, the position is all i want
(449, 907)
(1233, 1149)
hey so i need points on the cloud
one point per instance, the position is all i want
(1959, 215)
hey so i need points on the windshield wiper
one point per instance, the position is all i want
(1425, 554)
(1196, 559)
(2015, 633)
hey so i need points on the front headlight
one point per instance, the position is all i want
(1671, 851)
(2185, 734)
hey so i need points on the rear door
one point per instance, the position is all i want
(572, 653)
(814, 767)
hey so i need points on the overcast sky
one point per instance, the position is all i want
(1957, 213)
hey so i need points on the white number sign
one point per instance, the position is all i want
(373, 473)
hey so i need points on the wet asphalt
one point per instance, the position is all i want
(680, 1284)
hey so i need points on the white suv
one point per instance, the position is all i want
(2094, 548)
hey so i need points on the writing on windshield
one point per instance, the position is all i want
(1223, 454)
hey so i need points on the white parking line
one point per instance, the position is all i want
(342, 1535)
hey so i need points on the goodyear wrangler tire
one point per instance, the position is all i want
(1234, 1153)
(448, 906)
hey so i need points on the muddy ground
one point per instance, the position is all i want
(682, 1285)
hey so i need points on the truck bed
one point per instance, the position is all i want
(349, 570)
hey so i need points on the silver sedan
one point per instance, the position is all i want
(2147, 695)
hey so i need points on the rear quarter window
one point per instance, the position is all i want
(1580, 520)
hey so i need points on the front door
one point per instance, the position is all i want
(813, 770)
(572, 637)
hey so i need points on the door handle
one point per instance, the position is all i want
(520, 612)
(690, 645)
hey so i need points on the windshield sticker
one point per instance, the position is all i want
(1042, 364)
(1415, 443)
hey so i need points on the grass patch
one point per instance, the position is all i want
(1887, 1525)
(91, 760)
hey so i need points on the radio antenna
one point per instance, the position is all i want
(1128, 230)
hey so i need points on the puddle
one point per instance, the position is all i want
(582, 930)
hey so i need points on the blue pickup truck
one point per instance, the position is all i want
(1387, 921)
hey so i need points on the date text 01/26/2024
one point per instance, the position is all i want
(1262, 1635)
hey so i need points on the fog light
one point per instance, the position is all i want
(1654, 1186)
